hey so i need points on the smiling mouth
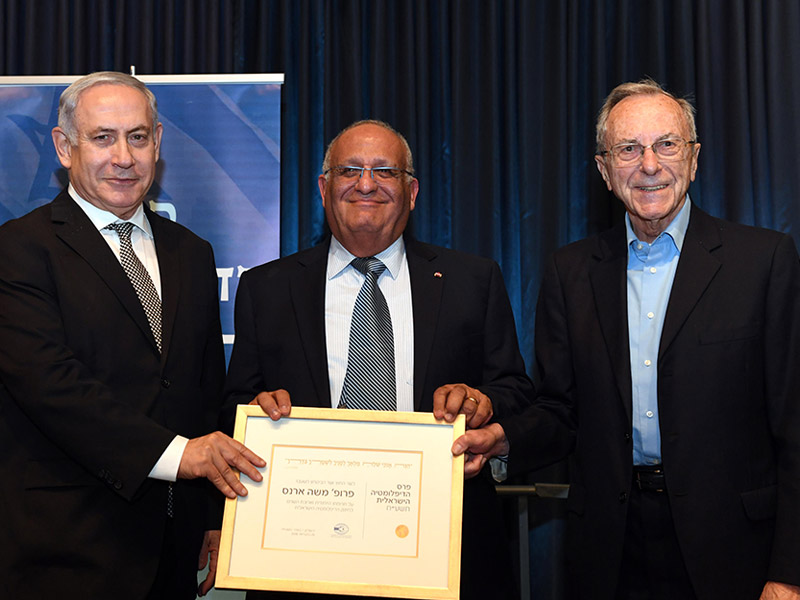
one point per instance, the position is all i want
(652, 188)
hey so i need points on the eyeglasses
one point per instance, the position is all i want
(629, 154)
(351, 172)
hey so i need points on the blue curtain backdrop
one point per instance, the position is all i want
(497, 99)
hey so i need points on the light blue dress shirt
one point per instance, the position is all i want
(651, 271)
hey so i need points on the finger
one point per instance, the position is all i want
(242, 458)
(460, 446)
(202, 560)
(439, 400)
(284, 402)
(455, 401)
(473, 463)
(470, 407)
(208, 583)
(268, 403)
(483, 410)
(227, 479)
(212, 553)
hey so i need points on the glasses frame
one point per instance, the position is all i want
(615, 159)
(371, 172)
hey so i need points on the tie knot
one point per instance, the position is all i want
(370, 264)
(123, 229)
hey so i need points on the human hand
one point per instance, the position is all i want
(212, 457)
(458, 398)
(276, 404)
(479, 445)
(209, 554)
(775, 590)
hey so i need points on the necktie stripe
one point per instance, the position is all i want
(369, 382)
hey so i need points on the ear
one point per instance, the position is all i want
(157, 139)
(63, 147)
(695, 156)
(322, 183)
(601, 166)
(414, 191)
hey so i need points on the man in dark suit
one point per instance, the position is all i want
(105, 396)
(667, 354)
(453, 335)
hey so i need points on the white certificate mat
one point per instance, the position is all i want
(352, 502)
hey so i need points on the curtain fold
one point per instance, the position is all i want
(497, 98)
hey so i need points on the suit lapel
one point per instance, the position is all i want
(307, 290)
(609, 285)
(426, 294)
(696, 268)
(168, 254)
(76, 230)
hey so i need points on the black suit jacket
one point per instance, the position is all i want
(463, 333)
(87, 404)
(728, 386)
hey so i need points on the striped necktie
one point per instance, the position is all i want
(369, 382)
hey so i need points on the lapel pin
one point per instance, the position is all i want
(437, 274)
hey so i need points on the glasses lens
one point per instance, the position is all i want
(668, 148)
(627, 153)
(347, 172)
(386, 173)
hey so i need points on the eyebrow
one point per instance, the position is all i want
(664, 136)
(105, 129)
(380, 162)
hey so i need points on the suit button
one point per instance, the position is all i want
(165, 383)
(623, 496)
(627, 437)
(117, 485)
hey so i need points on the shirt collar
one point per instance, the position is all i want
(339, 258)
(676, 230)
(100, 218)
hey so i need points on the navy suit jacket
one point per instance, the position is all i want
(88, 405)
(728, 390)
(463, 333)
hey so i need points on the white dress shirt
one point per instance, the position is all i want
(144, 247)
(343, 282)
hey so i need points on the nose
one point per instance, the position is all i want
(366, 183)
(122, 156)
(650, 163)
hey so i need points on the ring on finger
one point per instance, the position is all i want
(474, 400)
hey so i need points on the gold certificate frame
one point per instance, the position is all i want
(363, 503)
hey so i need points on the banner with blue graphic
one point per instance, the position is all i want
(219, 171)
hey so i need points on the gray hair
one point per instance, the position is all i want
(409, 166)
(643, 87)
(70, 97)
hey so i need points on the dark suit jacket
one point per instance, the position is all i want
(728, 386)
(463, 333)
(87, 404)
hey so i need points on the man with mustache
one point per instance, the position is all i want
(449, 326)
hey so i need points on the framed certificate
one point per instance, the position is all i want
(365, 503)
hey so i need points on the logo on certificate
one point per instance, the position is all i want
(341, 529)
(401, 531)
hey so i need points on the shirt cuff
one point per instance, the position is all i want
(499, 467)
(166, 468)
